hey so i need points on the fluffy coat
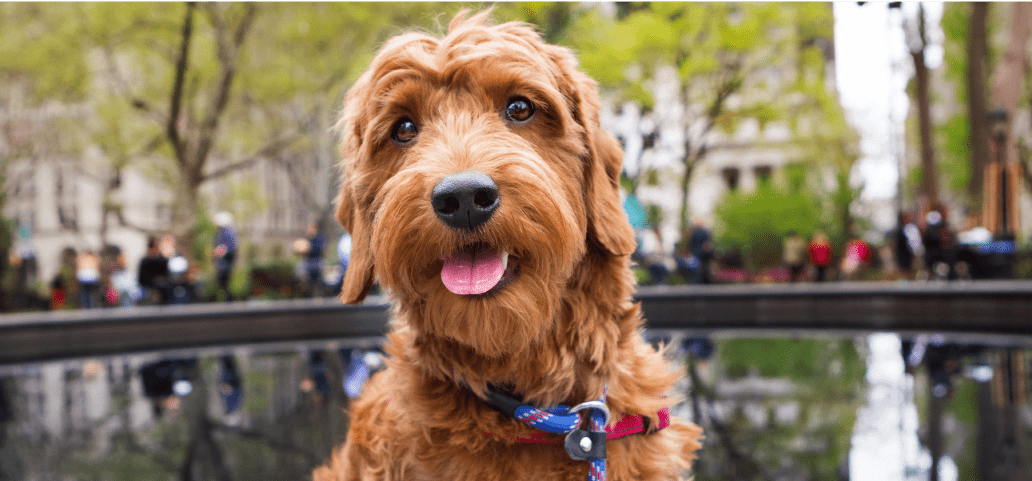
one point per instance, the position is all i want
(562, 331)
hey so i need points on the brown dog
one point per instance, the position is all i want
(480, 190)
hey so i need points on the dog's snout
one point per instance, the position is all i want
(465, 200)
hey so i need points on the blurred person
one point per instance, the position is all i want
(819, 251)
(793, 254)
(182, 275)
(652, 256)
(312, 248)
(225, 251)
(124, 287)
(87, 272)
(902, 250)
(64, 288)
(700, 244)
(23, 260)
(938, 245)
(855, 258)
(109, 270)
(153, 275)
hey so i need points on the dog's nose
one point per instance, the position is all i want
(465, 200)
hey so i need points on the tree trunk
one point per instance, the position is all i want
(929, 178)
(689, 167)
(185, 206)
(1006, 88)
(977, 48)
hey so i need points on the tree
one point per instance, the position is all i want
(917, 42)
(1006, 89)
(733, 62)
(977, 59)
(193, 92)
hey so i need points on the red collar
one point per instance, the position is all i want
(626, 426)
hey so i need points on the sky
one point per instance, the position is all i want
(872, 67)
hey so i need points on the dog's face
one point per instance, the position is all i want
(476, 180)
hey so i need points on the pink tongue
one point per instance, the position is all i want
(472, 271)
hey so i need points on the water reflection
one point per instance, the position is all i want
(245, 413)
(782, 409)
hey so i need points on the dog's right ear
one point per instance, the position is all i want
(358, 278)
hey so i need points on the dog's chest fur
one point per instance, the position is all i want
(401, 441)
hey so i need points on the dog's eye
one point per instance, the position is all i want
(404, 131)
(519, 110)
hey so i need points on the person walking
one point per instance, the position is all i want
(313, 247)
(902, 251)
(121, 288)
(700, 244)
(820, 255)
(87, 272)
(153, 275)
(938, 246)
(855, 259)
(64, 288)
(225, 251)
(793, 254)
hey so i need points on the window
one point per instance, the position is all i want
(763, 174)
(731, 178)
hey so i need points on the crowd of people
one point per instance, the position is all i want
(916, 250)
(927, 248)
(88, 278)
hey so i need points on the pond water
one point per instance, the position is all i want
(782, 409)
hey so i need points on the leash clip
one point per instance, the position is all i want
(589, 445)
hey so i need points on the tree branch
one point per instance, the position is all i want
(176, 101)
(121, 87)
(266, 151)
(306, 197)
(227, 54)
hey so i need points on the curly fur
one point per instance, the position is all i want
(560, 333)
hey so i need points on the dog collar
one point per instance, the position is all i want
(580, 444)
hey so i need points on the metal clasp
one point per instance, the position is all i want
(583, 444)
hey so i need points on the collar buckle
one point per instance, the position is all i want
(589, 445)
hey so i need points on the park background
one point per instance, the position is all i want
(120, 121)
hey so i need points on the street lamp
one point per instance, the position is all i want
(999, 128)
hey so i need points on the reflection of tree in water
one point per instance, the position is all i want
(280, 431)
(775, 408)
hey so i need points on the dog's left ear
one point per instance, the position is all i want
(607, 222)
(358, 278)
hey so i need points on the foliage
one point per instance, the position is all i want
(954, 136)
(201, 241)
(755, 223)
(734, 62)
